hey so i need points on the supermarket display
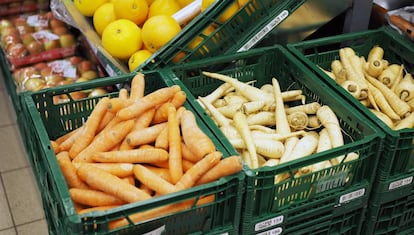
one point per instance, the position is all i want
(171, 117)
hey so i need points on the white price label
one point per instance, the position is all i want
(265, 30)
(400, 183)
(268, 223)
(157, 231)
(352, 195)
(275, 231)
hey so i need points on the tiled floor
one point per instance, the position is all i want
(21, 210)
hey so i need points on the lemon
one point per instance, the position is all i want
(138, 58)
(227, 14)
(206, 32)
(88, 7)
(122, 38)
(184, 3)
(104, 15)
(163, 7)
(134, 10)
(158, 31)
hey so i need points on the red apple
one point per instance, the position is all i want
(27, 39)
(46, 71)
(20, 21)
(24, 29)
(90, 74)
(51, 44)
(39, 66)
(67, 40)
(10, 39)
(35, 47)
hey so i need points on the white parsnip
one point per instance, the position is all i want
(220, 91)
(240, 122)
(282, 124)
(263, 118)
(298, 120)
(218, 117)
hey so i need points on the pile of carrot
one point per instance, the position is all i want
(134, 147)
(268, 126)
(385, 88)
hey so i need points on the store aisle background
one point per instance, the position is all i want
(21, 211)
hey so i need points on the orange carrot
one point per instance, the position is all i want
(69, 171)
(149, 101)
(152, 180)
(55, 146)
(201, 167)
(187, 154)
(161, 115)
(105, 121)
(123, 93)
(194, 138)
(146, 135)
(187, 165)
(117, 103)
(92, 197)
(91, 125)
(149, 155)
(105, 140)
(137, 86)
(106, 182)
(161, 172)
(162, 139)
(68, 141)
(174, 145)
(225, 167)
(119, 169)
(64, 137)
(129, 179)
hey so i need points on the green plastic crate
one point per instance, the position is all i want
(263, 198)
(48, 121)
(397, 158)
(391, 213)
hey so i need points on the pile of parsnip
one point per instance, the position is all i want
(135, 147)
(384, 88)
(266, 128)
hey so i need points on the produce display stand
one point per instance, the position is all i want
(330, 201)
(47, 120)
(241, 32)
(395, 173)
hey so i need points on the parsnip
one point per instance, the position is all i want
(309, 108)
(242, 127)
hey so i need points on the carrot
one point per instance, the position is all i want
(67, 141)
(69, 171)
(144, 120)
(89, 131)
(105, 141)
(399, 106)
(152, 180)
(195, 139)
(174, 145)
(106, 182)
(118, 169)
(248, 91)
(161, 172)
(282, 124)
(123, 93)
(55, 146)
(105, 121)
(407, 122)
(149, 101)
(117, 103)
(240, 122)
(162, 139)
(225, 167)
(137, 86)
(177, 101)
(146, 135)
(150, 155)
(92, 197)
(66, 136)
(130, 179)
(200, 168)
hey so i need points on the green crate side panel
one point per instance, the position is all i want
(327, 215)
(248, 26)
(262, 195)
(398, 155)
(391, 216)
(51, 121)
